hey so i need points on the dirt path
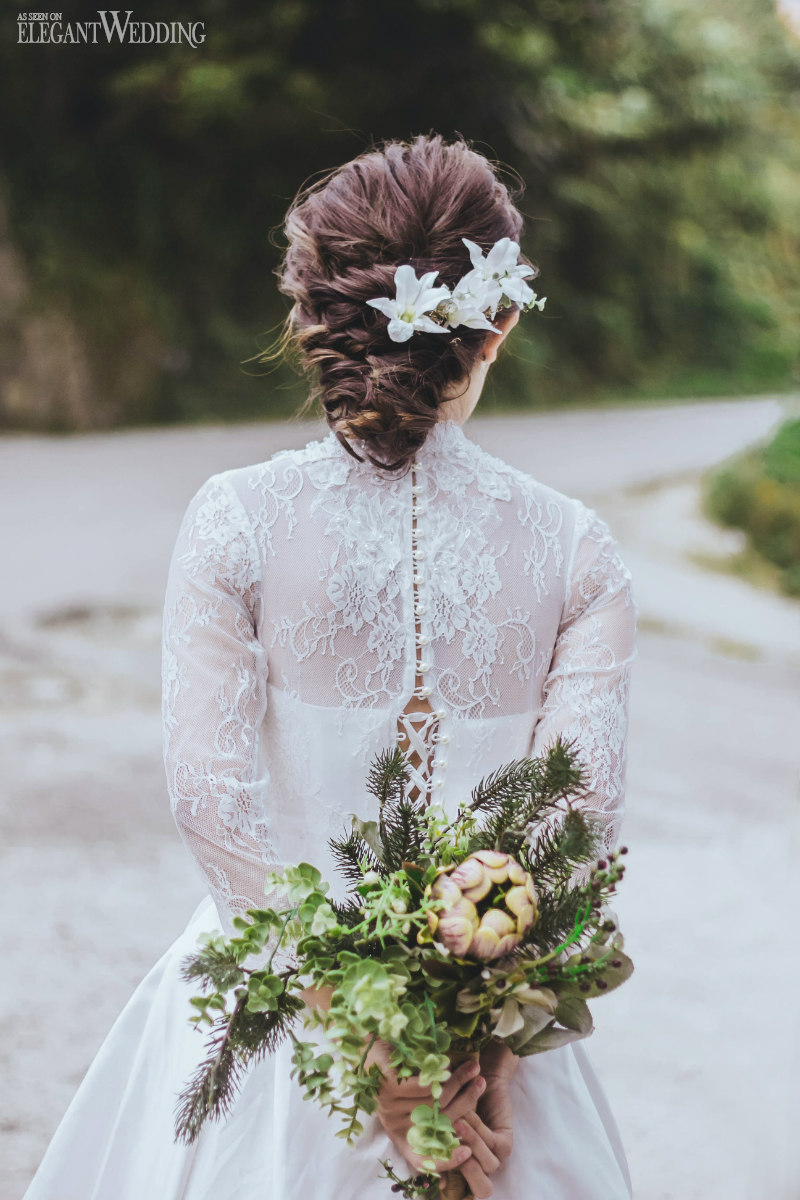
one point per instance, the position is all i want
(698, 1055)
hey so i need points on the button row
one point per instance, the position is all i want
(424, 666)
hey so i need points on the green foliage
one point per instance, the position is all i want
(782, 455)
(521, 794)
(759, 492)
(353, 856)
(431, 1135)
(393, 972)
(659, 143)
(217, 965)
(238, 1039)
(558, 848)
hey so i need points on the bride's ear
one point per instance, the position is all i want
(506, 322)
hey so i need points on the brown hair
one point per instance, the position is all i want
(402, 202)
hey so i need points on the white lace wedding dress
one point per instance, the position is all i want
(315, 612)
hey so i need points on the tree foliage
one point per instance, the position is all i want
(657, 139)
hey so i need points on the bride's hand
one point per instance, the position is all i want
(398, 1099)
(489, 1131)
(498, 1064)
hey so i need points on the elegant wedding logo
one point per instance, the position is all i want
(49, 28)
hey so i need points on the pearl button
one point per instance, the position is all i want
(442, 763)
(424, 693)
(417, 466)
(420, 610)
(419, 555)
(417, 533)
(424, 668)
(441, 714)
(422, 640)
(444, 739)
(418, 579)
(439, 783)
(418, 510)
(416, 490)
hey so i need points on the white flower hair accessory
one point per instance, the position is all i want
(496, 280)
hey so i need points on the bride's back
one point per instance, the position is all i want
(392, 583)
(460, 607)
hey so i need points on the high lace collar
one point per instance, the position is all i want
(445, 438)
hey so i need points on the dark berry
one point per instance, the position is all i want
(601, 983)
(585, 987)
(602, 864)
(623, 849)
(616, 962)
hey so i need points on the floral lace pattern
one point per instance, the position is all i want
(317, 581)
(585, 697)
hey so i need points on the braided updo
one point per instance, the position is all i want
(404, 202)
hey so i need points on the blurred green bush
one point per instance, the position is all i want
(759, 492)
(659, 141)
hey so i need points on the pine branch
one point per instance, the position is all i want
(520, 793)
(558, 911)
(348, 913)
(216, 967)
(237, 1040)
(561, 771)
(388, 776)
(561, 847)
(350, 851)
(513, 781)
(402, 832)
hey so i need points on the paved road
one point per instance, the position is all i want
(698, 1054)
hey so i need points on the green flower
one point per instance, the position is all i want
(324, 921)
(431, 1134)
(300, 882)
(434, 1071)
(370, 990)
(263, 990)
(392, 1026)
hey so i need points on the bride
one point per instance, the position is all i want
(391, 581)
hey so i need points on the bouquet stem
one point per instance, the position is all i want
(453, 1185)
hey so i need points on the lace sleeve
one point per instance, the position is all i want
(585, 696)
(214, 698)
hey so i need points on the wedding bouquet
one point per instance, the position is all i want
(492, 924)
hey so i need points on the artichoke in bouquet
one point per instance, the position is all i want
(488, 904)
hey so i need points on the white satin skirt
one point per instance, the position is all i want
(116, 1140)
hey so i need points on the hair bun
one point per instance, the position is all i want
(402, 202)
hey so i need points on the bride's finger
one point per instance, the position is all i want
(458, 1080)
(409, 1089)
(456, 1162)
(473, 1133)
(477, 1122)
(479, 1182)
(465, 1101)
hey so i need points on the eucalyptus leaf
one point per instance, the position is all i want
(548, 1039)
(614, 968)
(573, 1012)
(534, 1019)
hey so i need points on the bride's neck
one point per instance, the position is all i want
(461, 400)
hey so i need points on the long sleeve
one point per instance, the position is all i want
(585, 695)
(214, 698)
